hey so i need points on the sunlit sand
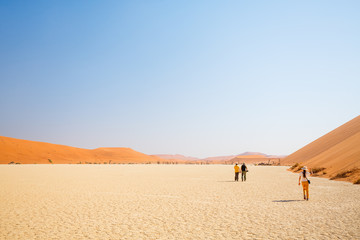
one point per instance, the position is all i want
(171, 202)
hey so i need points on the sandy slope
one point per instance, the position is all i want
(337, 151)
(171, 202)
(30, 152)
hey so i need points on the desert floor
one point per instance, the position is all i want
(171, 202)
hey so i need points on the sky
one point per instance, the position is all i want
(198, 78)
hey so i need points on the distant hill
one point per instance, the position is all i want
(255, 158)
(186, 159)
(338, 152)
(252, 154)
(247, 157)
(176, 157)
(30, 152)
(218, 158)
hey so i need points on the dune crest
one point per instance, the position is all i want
(14, 150)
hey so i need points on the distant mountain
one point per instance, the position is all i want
(255, 159)
(337, 152)
(261, 154)
(218, 158)
(243, 157)
(252, 153)
(176, 156)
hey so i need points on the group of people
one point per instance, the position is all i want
(243, 172)
(303, 177)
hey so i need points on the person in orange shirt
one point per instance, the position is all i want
(237, 170)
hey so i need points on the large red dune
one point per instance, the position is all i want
(31, 152)
(338, 152)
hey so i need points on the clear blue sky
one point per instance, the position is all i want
(199, 78)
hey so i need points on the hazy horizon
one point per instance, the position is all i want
(200, 79)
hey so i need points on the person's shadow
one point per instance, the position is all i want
(287, 200)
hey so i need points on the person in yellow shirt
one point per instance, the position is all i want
(237, 170)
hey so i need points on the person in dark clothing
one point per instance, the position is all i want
(243, 172)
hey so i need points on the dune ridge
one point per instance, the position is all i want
(335, 155)
(32, 152)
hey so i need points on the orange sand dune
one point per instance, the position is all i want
(338, 152)
(30, 152)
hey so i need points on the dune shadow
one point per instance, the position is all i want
(287, 200)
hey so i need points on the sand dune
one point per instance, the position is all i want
(31, 152)
(171, 202)
(338, 152)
